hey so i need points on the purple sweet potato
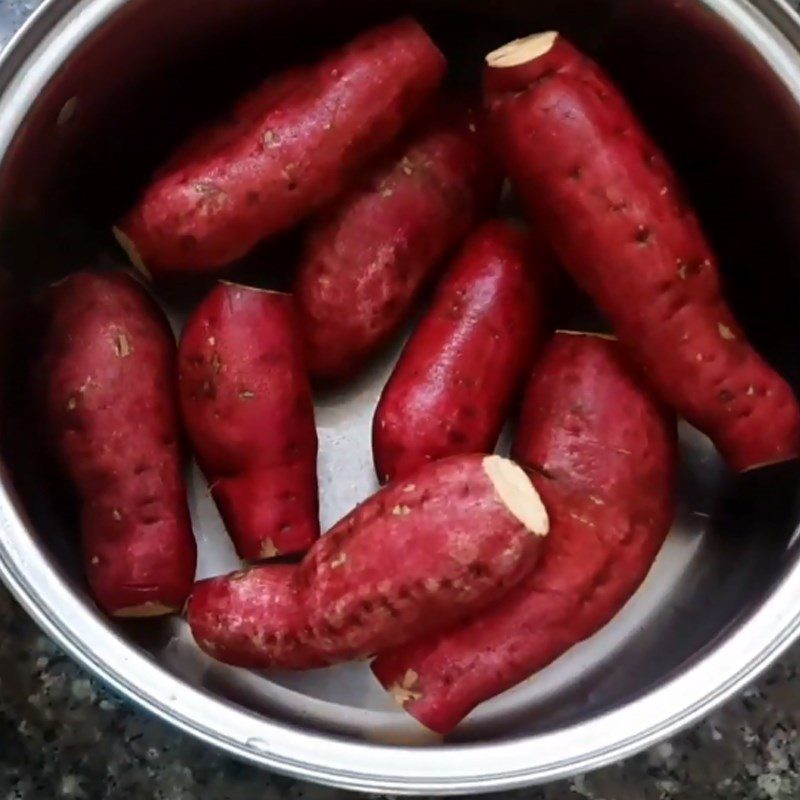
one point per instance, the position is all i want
(458, 375)
(289, 147)
(602, 454)
(247, 407)
(417, 556)
(603, 192)
(107, 378)
(370, 255)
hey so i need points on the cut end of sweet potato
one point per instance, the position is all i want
(268, 549)
(772, 463)
(126, 243)
(595, 334)
(247, 288)
(517, 493)
(405, 691)
(522, 51)
(145, 610)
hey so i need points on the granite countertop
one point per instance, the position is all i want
(63, 735)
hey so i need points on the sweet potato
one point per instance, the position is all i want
(291, 146)
(602, 455)
(615, 213)
(255, 618)
(451, 390)
(106, 382)
(417, 556)
(247, 406)
(369, 256)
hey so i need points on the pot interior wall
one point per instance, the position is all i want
(153, 72)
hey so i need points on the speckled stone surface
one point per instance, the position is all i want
(62, 735)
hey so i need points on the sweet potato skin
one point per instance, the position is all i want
(602, 454)
(418, 555)
(107, 389)
(615, 213)
(370, 255)
(452, 388)
(227, 616)
(247, 407)
(291, 146)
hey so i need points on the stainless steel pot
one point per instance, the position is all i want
(94, 92)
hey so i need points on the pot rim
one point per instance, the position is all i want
(30, 60)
